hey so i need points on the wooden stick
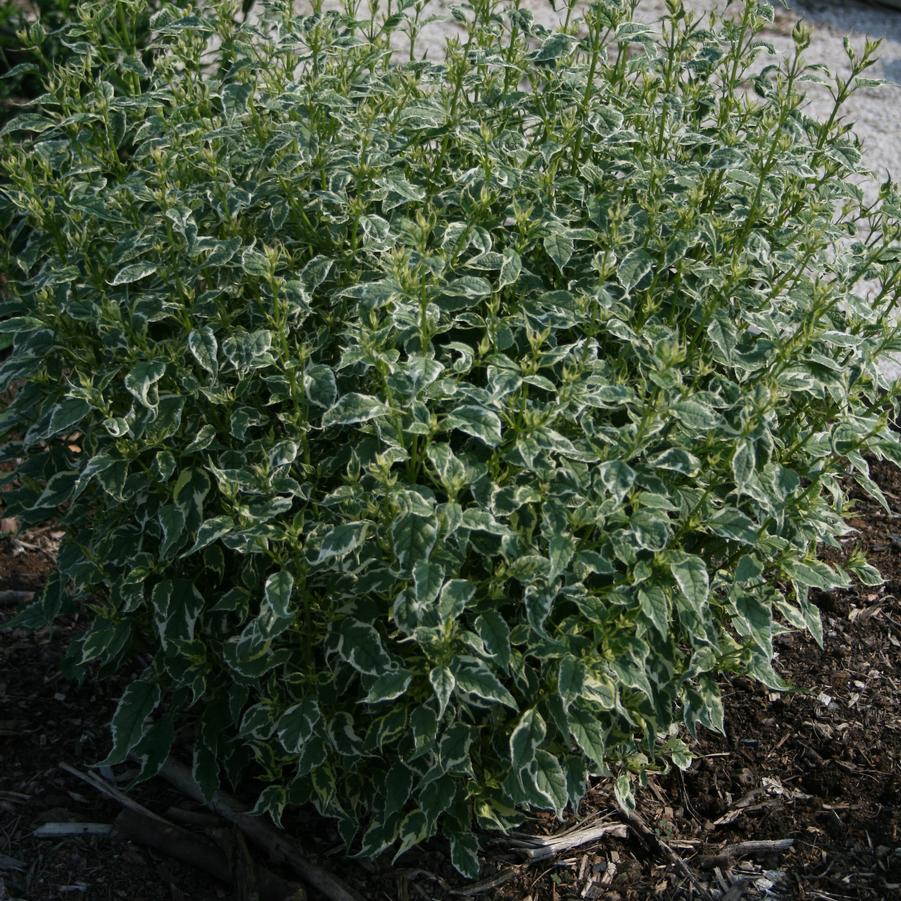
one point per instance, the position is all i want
(648, 836)
(190, 849)
(194, 818)
(279, 846)
(105, 788)
(541, 847)
(65, 830)
(747, 849)
(479, 888)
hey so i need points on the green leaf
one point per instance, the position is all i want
(633, 268)
(677, 460)
(495, 634)
(617, 477)
(478, 680)
(153, 750)
(443, 684)
(589, 734)
(690, 573)
(414, 829)
(454, 749)
(758, 616)
(510, 268)
(205, 771)
(732, 524)
(427, 581)
(128, 724)
(211, 530)
(455, 595)
(743, 463)
(559, 248)
(275, 610)
(413, 538)
(389, 686)
(814, 574)
(555, 45)
(655, 606)
(651, 530)
(133, 273)
(204, 347)
(698, 417)
(295, 726)
(361, 646)
(525, 739)
(476, 421)
(172, 524)
(316, 272)
(353, 408)
(561, 549)
(570, 679)
(451, 471)
(469, 286)
(142, 378)
(549, 789)
(320, 386)
(868, 575)
(622, 790)
(341, 541)
(464, 848)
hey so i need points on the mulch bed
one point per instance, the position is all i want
(818, 764)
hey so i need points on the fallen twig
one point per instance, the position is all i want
(486, 885)
(194, 818)
(11, 598)
(105, 788)
(279, 846)
(747, 849)
(65, 830)
(190, 849)
(541, 847)
(645, 833)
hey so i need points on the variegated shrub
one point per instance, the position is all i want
(435, 433)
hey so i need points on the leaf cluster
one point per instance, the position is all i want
(439, 430)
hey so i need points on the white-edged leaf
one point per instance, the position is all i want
(690, 573)
(480, 681)
(352, 408)
(128, 724)
(464, 848)
(479, 422)
(205, 348)
(211, 530)
(413, 537)
(319, 385)
(341, 540)
(443, 683)
(389, 686)
(549, 783)
(142, 378)
(526, 739)
(559, 248)
(510, 268)
(132, 273)
(361, 646)
(588, 733)
(455, 595)
(743, 462)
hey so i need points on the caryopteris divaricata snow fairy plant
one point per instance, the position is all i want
(437, 431)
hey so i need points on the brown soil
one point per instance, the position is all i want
(818, 765)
